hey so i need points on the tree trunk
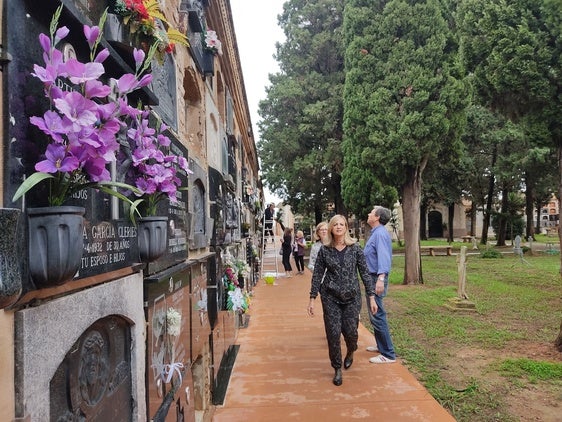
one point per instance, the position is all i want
(423, 221)
(560, 197)
(538, 225)
(451, 218)
(473, 219)
(529, 194)
(529, 206)
(502, 221)
(339, 205)
(317, 213)
(489, 201)
(411, 197)
(488, 210)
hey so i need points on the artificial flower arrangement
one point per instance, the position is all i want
(237, 299)
(166, 371)
(86, 123)
(83, 122)
(148, 25)
(211, 42)
(152, 167)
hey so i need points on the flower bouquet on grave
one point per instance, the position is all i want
(153, 171)
(80, 131)
(148, 26)
(211, 42)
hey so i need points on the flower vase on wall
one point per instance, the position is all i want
(10, 274)
(118, 34)
(115, 30)
(208, 63)
(55, 244)
(152, 238)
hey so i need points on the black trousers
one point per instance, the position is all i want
(340, 318)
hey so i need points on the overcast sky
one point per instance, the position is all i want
(257, 31)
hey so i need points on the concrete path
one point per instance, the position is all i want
(282, 371)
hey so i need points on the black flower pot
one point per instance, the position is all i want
(152, 237)
(55, 244)
(10, 274)
(116, 32)
(208, 63)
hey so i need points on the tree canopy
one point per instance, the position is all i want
(301, 132)
(403, 103)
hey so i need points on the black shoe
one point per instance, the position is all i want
(337, 377)
(348, 361)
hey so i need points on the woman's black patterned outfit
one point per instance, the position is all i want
(341, 295)
(287, 248)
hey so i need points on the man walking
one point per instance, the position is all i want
(378, 253)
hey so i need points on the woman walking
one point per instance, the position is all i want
(287, 249)
(335, 277)
(299, 253)
(320, 236)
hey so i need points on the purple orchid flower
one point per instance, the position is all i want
(79, 72)
(57, 160)
(91, 33)
(80, 111)
(102, 55)
(84, 134)
(139, 56)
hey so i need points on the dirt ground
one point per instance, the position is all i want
(515, 400)
(526, 402)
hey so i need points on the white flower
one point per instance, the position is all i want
(202, 304)
(236, 299)
(173, 322)
(212, 42)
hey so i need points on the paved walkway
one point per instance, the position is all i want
(282, 371)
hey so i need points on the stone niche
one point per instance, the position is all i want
(92, 344)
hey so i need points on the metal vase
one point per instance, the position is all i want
(152, 238)
(55, 244)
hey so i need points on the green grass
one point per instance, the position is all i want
(533, 370)
(518, 307)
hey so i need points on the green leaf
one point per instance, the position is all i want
(134, 209)
(30, 183)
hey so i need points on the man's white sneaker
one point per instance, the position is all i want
(381, 359)
(372, 349)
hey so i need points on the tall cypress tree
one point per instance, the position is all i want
(404, 100)
(301, 126)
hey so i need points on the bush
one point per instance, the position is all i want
(518, 226)
(491, 254)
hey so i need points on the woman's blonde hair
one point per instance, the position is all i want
(348, 240)
(319, 227)
(300, 233)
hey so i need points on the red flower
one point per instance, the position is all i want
(138, 7)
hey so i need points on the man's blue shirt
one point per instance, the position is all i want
(378, 251)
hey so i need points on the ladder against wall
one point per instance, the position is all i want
(270, 249)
